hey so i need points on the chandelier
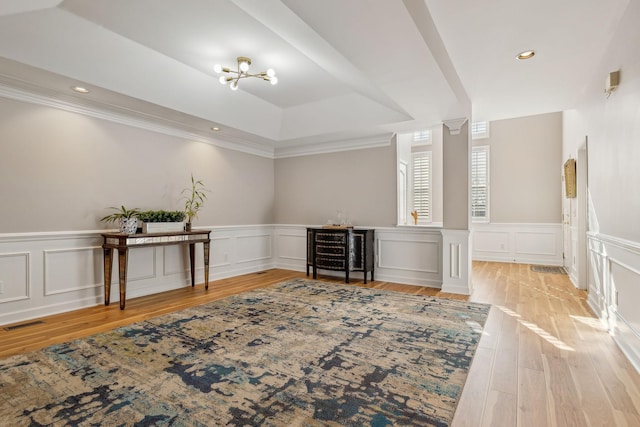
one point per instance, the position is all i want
(234, 76)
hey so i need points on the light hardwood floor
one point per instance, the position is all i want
(544, 359)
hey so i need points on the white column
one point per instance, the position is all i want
(456, 237)
(456, 262)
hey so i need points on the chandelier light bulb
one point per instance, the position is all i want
(233, 76)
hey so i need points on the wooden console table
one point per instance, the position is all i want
(122, 242)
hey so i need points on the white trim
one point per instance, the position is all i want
(455, 125)
(179, 130)
(381, 258)
(27, 276)
(46, 263)
(523, 243)
(625, 244)
(278, 246)
(456, 261)
(374, 141)
(152, 124)
(614, 287)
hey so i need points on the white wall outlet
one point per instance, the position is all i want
(1, 287)
(226, 257)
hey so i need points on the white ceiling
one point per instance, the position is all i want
(350, 71)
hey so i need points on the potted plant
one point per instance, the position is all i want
(126, 218)
(159, 221)
(194, 199)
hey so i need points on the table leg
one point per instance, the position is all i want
(347, 259)
(122, 266)
(108, 263)
(205, 247)
(364, 261)
(192, 263)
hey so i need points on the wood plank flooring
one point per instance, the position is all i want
(544, 359)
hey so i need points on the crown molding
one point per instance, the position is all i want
(374, 141)
(153, 125)
(159, 125)
(455, 125)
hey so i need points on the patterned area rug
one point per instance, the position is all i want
(301, 353)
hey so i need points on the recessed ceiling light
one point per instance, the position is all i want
(215, 128)
(80, 89)
(527, 54)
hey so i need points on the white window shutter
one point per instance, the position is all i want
(480, 184)
(421, 173)
(422, 137)
(479, 130)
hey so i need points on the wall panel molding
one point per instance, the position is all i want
(59, 272)
(456, 262)
(255, 247)
(71, 269)
(614, 286)
(15, 277)
(518, 243)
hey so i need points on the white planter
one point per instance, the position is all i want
(128, 225)
(162, 227)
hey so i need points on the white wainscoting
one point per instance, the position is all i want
(291, 247)
(48, 273)
(614, 289)
(456, 265)
(518, 243)
(409, 255)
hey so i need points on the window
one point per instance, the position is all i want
(421, 185)
(479, 130)
(422, 137)
(480, 184)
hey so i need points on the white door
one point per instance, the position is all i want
(566, 228)
(582, 217)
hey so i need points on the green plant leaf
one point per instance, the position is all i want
(120, 213)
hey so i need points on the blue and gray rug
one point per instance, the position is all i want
(301, 353)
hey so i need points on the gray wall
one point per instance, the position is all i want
(310, 189)
(525, 169)
(456, 207)
(60, 170)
